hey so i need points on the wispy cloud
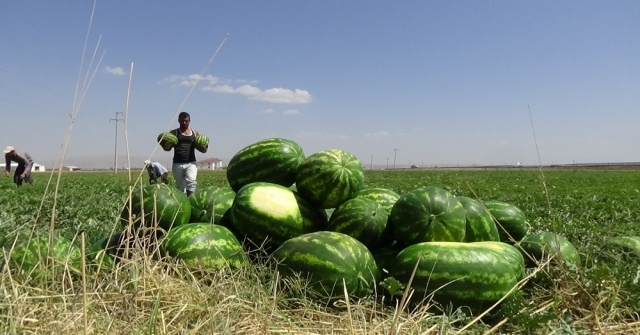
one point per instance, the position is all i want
(190, 80)
(377, 135)
(118, 71)
(247, 88)
(317, 135)
(267, 111)
(291, 112)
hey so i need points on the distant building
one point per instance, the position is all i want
(72, 168)
(34, 168)
(210, 164)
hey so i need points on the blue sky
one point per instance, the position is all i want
(445, 83)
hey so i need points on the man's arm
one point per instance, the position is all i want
(8, 163)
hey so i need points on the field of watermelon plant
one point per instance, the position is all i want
(144, 296)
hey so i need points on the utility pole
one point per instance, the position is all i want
(115, 153)
(394, 157)
(387, 163)
(371, 163)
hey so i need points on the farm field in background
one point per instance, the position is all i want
(585, 206)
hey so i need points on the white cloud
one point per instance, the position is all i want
(378, 134)
(190, 80)
(214, 84)
(118, 71)
(267, 111)
(290, 112)
(317, 135)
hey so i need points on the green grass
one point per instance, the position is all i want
(585, 206)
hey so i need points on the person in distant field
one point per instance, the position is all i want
(25, 163)
(184, 167)
(156, 171)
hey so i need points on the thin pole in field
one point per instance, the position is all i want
(115, 151)
(371, 163)
(387, 163)
(394, 157)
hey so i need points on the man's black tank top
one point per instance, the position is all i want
(184, 151)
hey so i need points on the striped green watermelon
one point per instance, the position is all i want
(480, 224)
(157, 206)
(475, 275)
(271, 213)
(510, 220)
(361, 218)
(201, 142)
(204, 246)
(628, 247)
(328, 259)
(537, 247)
(383, 196)
(167, 137)
(272, 160)
(512, 253)
(386, 198)
(42, 260)
(209, 204)
(427, 214)
(329, 178)
(110, 250)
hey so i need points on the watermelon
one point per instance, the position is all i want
(204, 246)
(510, 220)
(110, 250)
(475, 275)
(626, 246)
(328, 259)
(201, 142)
(272, 160)
(512, 253)
(536, 247)
(480, 225)
(360, 218)
(427, 214)
(209, 204)
(329, 178)
(271, 213)
(42, 260)
(158, 206)
(383, 196)
(167, 137)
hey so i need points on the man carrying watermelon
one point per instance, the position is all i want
(25, 163)
(184, 166)
(155, 171)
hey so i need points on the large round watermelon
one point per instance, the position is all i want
(201, 142)
(329, 178)
(480, 224)
(167, 137)
(536, 247)
(272, 160)
(43, 259)
(510, 220)
(204, 246)
(208, 204)
(108, 251)
(427, 214)
(475, 275)
(621, 248)
(361, 218)
(383, 196)
(157, 206)
(271, 213)
(328, 259)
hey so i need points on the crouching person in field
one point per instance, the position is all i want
(25, 163)
(156, 171)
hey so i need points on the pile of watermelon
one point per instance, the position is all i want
(313, 218)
